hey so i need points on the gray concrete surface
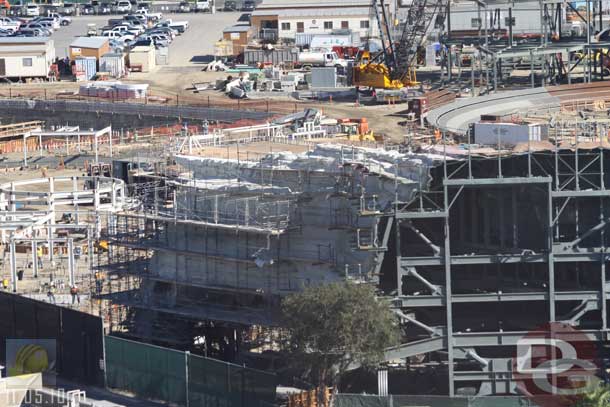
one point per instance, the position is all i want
(189, 49)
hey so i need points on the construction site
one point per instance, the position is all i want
(483, 222)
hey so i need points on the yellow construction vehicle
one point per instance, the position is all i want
(394, 66)
(357, 130)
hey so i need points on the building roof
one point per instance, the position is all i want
(89, 42)
(315, 12)
(238, 28)
(24, 40)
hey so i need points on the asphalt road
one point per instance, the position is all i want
(189, 49)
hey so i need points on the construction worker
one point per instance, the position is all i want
(51, 293)
(39, 256)
(74, 293)
(99, 280)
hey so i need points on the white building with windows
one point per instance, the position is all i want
(26, 57)
(283, 19)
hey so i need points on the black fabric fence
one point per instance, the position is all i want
(79, 336)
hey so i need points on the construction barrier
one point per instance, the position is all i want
(173, 377)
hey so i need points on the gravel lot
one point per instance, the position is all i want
(188, 49)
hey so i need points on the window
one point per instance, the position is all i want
(26, 61)
(328, 25)
(300, 27)
(364, 24)
(344, 24)
(285, 26)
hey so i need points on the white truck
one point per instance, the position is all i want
(180, 26)
(149, 15)
(202, 6)
(320, 58)
(8, 24)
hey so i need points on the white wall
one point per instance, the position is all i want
(315, 25)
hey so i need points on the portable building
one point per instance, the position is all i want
(143, 57)
(114, 64)
(26, 57)
(509, 133)
(89, 47)
(239, 35)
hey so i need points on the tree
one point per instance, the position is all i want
(337, 325)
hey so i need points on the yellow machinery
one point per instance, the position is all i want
(394, 67)
(358, 130)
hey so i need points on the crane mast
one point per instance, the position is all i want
(394, 67)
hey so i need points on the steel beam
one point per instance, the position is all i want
(497, 181)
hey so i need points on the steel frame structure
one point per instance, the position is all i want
(571, 184)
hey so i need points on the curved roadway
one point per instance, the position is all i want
(455, 117)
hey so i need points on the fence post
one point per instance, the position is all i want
(186, 375)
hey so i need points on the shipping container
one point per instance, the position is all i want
(509, 133)
(274, 56)
(85, 68)
(114, 64)
(323, 78)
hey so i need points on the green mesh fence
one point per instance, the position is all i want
(148, 371)
(218, 384)
(360, 400)
(161, 374)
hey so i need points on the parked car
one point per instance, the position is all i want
(160, 40)
(51, 22)
(249, 5)
(9, 24)
(32, 10)
(184, 7)
(123, 6)
(149, 16)
(244, 18)
(43, 29)
(165, 31)
(27, 32)
(88, 9)
(135, 18)
(230, 5)
(142, 42)
(104, 8)
(69, 9)
(63, 20)
(202, 6)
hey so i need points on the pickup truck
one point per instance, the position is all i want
(180, 26)
(149, 15)
(9, 24)
(63, 20)
(202, 6)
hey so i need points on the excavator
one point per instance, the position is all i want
(394, 66)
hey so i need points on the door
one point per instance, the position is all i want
(300, 27)
(2, 67)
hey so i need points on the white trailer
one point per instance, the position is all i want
(26, 57)
(509, 134)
